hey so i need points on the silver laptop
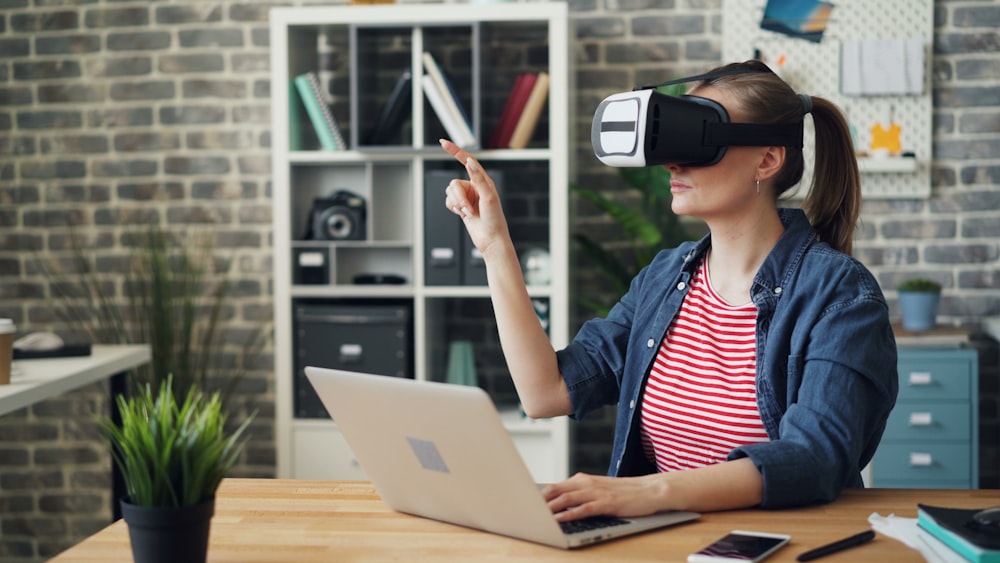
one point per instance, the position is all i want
(440, 451)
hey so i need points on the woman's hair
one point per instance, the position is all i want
(833, 202)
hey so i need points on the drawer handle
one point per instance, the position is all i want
(920, 378)
(921, 419)
(921, 460)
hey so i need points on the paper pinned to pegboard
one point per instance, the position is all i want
(814, 67)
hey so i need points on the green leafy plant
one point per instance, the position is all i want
(168, 301)
(919, 284)
(648, 228)
(170, 453)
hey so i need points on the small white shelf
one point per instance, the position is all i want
(888, 164)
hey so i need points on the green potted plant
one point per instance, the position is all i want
(918, 302)
(172, 457)
(648, 229)
(173, 294)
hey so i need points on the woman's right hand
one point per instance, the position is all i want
(476, 201)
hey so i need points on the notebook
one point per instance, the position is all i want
(440, 451)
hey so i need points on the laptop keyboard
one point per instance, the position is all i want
(591, 523)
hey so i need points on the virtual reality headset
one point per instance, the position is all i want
(645, 127)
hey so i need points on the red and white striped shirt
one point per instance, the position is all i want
(700, 399)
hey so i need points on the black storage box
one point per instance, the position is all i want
(371, 337)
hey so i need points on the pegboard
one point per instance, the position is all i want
(815, 67)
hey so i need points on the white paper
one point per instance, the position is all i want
(850, 68)
(905, 530)
(883, 64)
(915, 66)
(882, 67)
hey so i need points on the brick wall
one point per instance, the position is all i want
(115, 114)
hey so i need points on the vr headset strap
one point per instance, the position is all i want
(753, 135)
(705, 76)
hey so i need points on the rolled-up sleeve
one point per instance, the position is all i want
(841, 387)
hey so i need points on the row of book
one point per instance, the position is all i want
(973, 534)
(444, 99)
(517, 123)
(521, 111)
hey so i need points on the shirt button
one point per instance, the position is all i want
(650, 343)
(680, 286)
(631, 404)
(777, 291)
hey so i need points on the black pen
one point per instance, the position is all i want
(838, 545)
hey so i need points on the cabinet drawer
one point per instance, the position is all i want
(917, 463)
(928, 421)
(926, 484)
(934, 379)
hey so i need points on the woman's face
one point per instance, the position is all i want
(725, 188)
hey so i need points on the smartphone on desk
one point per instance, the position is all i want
(740, 545)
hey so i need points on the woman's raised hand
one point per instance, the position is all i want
(476, 201)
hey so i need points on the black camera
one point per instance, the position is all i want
(341, 216)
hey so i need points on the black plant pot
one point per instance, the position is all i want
(165, 534)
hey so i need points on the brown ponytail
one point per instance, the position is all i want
(834, 199)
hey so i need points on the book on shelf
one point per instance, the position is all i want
(296, 110)
(528, 119)
(319, 112)
(957, 529)
(394, 111)
(451, 126)
(452, 105)
(512, 109)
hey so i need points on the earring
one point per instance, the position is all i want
(758, 185)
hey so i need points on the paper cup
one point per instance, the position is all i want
(6, 349)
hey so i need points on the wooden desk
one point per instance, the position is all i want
(280, 520)
(37, 380)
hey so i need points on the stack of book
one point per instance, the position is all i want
(958, 529)
(444, 99)
(521, 111)
(318, 109)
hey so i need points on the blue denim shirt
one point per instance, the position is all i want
(826, 363)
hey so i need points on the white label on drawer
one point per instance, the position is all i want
(920, 378)
(918, 459)
(350, 352)
(920, 419)
(442, 253)
(311, 259)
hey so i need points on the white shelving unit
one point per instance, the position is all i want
(360, 50)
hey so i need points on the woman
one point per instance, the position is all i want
(755, 367)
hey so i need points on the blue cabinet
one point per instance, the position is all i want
(932, 437)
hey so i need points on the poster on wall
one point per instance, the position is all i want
(802, 19)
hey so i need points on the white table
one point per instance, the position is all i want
(39, 379)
